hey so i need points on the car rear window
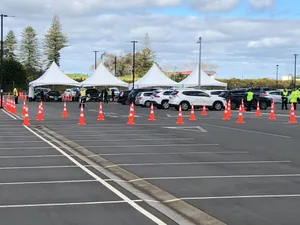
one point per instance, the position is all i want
(222, 94)
(174, 93)
(148, 94)
(167, 92)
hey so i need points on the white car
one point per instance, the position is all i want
(160, 98)
(275, 94)
(143, 99)
(68, 93)
(116, 91)
(188, 97)
(215, 92)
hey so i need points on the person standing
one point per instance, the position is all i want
(284, 99)
(113, 95)
(16, 95)
(105, 96)
(294, 98)
(249, 99)
(82, 97)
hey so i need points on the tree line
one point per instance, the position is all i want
(24, 61)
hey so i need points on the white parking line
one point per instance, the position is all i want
(24, 141)
(70, 204)
(38, 167)
(121, 134)
(9, 114)
(48, 182)
(103, 182)
(138, 139)
(234, 197)
(169, 153)
(138, 146)
(219, 177)
(249, 131)
(196, 163)
(25, 148)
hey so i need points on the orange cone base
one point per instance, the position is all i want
(272, 118)
(225, 118)
(179, 122)
(240, 122)
(38, 119)
(82, 123)
(192, 119)
(293, 122)
(27, 124)
(151, 119)
(100, 118)
(130, 123)
(64, 115)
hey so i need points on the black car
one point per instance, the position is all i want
(94, 94)
(53, 96)
(237, 95)
(134, 92)
(123, 97)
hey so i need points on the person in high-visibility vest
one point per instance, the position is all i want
(82, 98)
(249, 99)
(284, 99)
(294, 98)
(16, 95)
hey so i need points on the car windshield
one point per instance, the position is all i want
(222, 94)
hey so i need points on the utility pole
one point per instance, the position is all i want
(133, 62)
(277, 76)
(295, 71)
(199, 68)
(95, 59)
(115, 66)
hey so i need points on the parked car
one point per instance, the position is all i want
(276, 95)
(133, 93)
(123, 96)
(187, 97)
(160, 98)
(236, 96)
(216, 92)
(53, 96)
(94, 94)
(116, 90)
(67, 93)
(143, 99)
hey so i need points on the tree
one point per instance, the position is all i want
(55, 40)
(10, 45)
(29, 49)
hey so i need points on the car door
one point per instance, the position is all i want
(204, 98)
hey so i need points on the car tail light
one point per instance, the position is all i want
(176, 95)
(266, 95)
(156, 96)
(140, 98)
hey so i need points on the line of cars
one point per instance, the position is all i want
(212, 99)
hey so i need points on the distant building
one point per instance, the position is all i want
(289, 77)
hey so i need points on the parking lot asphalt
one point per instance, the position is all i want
(238, 173)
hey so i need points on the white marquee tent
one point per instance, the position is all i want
(102, 77)
(155, 78)
(53, 76)
(192, 80)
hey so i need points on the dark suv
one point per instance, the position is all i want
(134, 92)
(122, 98)
(236, 96)
(94, 94)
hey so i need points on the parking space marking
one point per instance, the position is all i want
(198, 163)
(138, 146)
(38, 167)
(48, 182)
(15, 118)
(189, 128)
(103, 182)
(122, 134)
(16, 136)
(71, 204)
(234, 197)
(169, 153)
(220, 177)
(136, 139)
(13, 141)
(249, 131)
(25, 148)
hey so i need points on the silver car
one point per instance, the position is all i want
(275, 94)
(144, 99)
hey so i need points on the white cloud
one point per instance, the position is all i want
(211, 6)
(229, 42)
(262, 4)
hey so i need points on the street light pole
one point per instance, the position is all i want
(277, 76)
(96, 59)
(115, 66)
(133, 62)
(295, 71)
(199, 68)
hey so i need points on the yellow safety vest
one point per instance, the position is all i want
(15, 91)
(249, 96)
(294, 96)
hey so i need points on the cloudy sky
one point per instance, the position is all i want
(245, 38)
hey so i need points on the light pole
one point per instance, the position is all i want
(95, 59)
(295, 71)
(115, 66)
(277, 76)
(133, 62)
(199, 68)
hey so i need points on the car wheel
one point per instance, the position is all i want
(263, 105)
(147, 104)
(185, 106)
(165, 104)
(218, 106)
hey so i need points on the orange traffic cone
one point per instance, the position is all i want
(272, 113)
(132, 106)
(204, 113)
(65, 112)
(192, 116)
(240, 117)
(8, 105)
(24, 108)
(100, 115)
(26, 121)
(226, 113)
(131, 115)
(42, 108)
(243, 106)
(151, 117)
(40, 114)
(258, 114)
(229, 108)
(13, 108)
(179, 120)
(81, 118)
(292, 114)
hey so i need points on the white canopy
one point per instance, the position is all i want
(54, 76)
(155, 78)
(192, 80)
(102, 77)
